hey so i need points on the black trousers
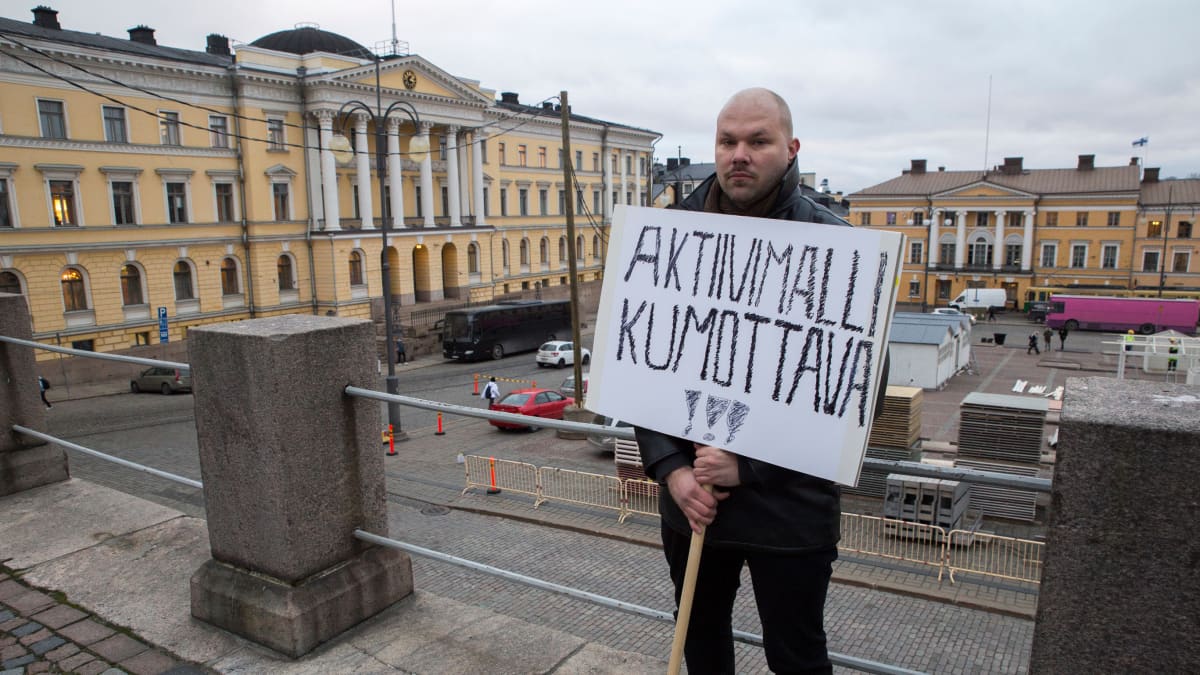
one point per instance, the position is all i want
(788, 589)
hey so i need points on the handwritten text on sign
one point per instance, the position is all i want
(763, 337)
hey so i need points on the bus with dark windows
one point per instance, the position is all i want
(493, 331)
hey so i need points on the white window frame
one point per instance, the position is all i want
(22, 284)
(1105, 247)
(1071, 258)
(1042, 254)
(224, 178)
(6, 176)
(276, 137)
(281, 175)
(124, 122)
(229, 300)
(177, 176)
(164, 125)
(186, 305)
(1186, 251)
(214, 136)
(122, 174)
(916, 247)
(288, 294)
(78, 317)
(62, 172)
(137, 311)
(363, 289)
(41, 127)
(1156, 251)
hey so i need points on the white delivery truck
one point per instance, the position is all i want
(980, 299)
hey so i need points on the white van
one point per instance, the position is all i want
(980, 298)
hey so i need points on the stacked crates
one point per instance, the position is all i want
(929, 501)
(1003, 434)
(894, 436)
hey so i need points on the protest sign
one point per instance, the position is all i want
(763, 337)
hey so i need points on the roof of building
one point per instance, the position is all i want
(556, 112)
(919, 333)
(14, 28)
(1036, 181)
(1177, 191)
(307, 39)
(687, 172)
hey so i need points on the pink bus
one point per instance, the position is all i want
(1144, 315)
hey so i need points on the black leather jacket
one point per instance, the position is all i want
(774, 509)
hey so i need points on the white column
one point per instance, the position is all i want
(1027, 243)
(480, 137)
(624, 177)
(608, 178)
(362, 156)
(934, 235)
(960, 239)
(329, 185)
(637, 179)
(464, 185)
(453, 199)
(998, 249)
(395, 180)
(427, 179)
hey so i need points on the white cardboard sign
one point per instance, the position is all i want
(763, 337)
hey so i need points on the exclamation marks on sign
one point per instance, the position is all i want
(692, 397)
(715, 408)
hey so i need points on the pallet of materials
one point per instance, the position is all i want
(899, 425)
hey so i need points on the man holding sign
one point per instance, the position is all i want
(782, 523)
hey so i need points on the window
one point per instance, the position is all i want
(504, 201)
(445, 201)
(182, 276)
(224, 197)
(542, 156)
(890, 217)
(524, 252)
(500, 151)
(521, 155)
(74, 290)
(115, 130)
(595, 201)
(131, 285)
(1114, 218)
(544, 251)
(947, 253)
(1052, 219)
(543, 208)
(979, 253)
(1155, 229)
(981, 218)
(6, 214)
(1081, 219)
(596, 246)
(230, 283)
(1150, 261)
(1049, 255)
(279, 195)
(141, 338)
(595, 161)
(286, 272)
(1108, 257)
(356, 269)
(385, 206)
(687, 190)
(218, 128)
(487, 211)
(10, 283)
(918, 218)
(914, 289)
(562, 201)
(1079, 255)
(1012, 254)
(473, 258)
(122, 201)
(168, 123)
(1179, 261)
(523, 201)
(1184, 231)
(578, 159)
(562, 250)
(275, 138)
(504, 254)
(177, 203)
(916, 252)
(62, 203)
(419, 209)
(53, 118)
(628, 197)
(865, 217)
(579, 250)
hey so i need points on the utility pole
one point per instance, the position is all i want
(569, 206)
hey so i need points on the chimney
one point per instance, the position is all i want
(672, 164)
(44, 17)
(547, 105)
(1012, 166)
(217, 44)
(1087, 162)
(941, 168)
(1150, 175)
(918, 167)
(143, 34)
(684, 161)
(508, 97)
(1133, 161)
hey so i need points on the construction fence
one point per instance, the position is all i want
(950, 552)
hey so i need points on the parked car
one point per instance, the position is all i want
(567, 388)
(164, 380)
(954, 312)
(607, 442)
(533, 402)
(559, 354)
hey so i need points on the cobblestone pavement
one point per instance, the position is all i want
(41, 634)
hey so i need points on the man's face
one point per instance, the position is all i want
(753, 149)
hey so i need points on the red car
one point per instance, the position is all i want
(533, 402)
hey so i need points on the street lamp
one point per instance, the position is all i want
(418, 146)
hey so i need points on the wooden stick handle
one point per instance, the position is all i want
(685, 599)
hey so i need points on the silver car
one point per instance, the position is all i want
(163, 380)
(608, 443)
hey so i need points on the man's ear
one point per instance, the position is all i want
(793, 148)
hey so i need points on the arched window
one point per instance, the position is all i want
(544, 251)
(10, 283)
(980, 251)
(504, 253)
(579, 250)
(74, 290)
(596, 246)
(286, 272)
(472, 258)
(182, 275)
(524, 251)
(562, 249)
(356, 268)
(131, 285)
(230, 280)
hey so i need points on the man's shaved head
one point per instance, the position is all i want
(762, 95)
(754, 145)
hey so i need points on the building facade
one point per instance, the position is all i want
(138, 180)
(1087, 228)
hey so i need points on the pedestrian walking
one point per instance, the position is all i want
(1033, 344)
(401, 353)
(991, 314)
(1062, 338)
(43, 385)
(491, 392)
(1048, 336)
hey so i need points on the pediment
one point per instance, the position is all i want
(983, 190)
(280, 170)
(415, 74)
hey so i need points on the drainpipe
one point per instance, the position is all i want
(241, 162)
(302, 72)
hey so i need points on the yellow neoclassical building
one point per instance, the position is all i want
(1087, 228)
(138, 180)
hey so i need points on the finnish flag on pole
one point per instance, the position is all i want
(1141, 141)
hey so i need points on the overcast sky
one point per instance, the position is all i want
(872, 84)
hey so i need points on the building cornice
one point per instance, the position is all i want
(110, 148)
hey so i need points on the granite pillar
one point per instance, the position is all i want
(1121, 584)
(291, 467)
(25, 462)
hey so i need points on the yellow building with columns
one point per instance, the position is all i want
(227, 184)
(1087, 228)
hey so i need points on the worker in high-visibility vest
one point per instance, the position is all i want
(1129, 340)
